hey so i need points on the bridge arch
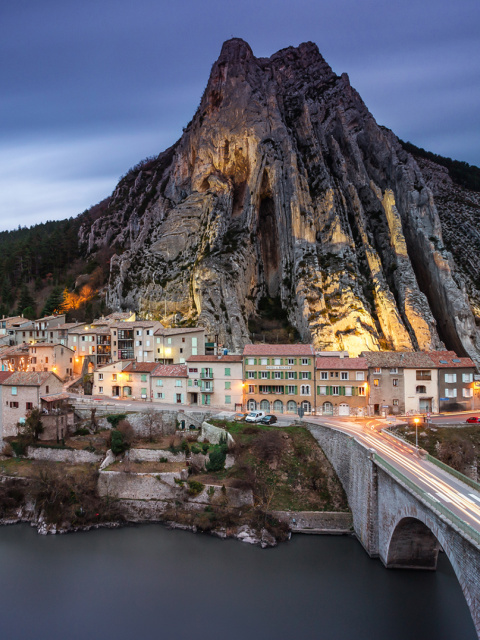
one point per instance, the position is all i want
(414, 543)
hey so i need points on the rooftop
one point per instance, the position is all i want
(278, 350)
(141, 367)
(402, 359)
(28, 378)
(341, 363)
(174, 331)
(170, 371)
(227, 358)
(450, 360)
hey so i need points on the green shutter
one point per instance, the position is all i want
(190, 383)
(309, 375)
(318, 391)
(268, 375)
(342, 391)
(255, 375)
(329, 391)
(296, 390)
(281, 360)
(227, 371)
(254, 361)
(203, 371)
(281, 375)
(295, 375)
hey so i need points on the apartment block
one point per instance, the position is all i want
(455, 381)
(279, 378)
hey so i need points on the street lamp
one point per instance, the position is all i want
(416, 432)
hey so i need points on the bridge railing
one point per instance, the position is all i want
(453, 472)
(426, 497)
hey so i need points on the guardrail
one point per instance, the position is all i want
(460, 476)
(469, 531)
(453, 472)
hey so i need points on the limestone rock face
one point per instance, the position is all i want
(284, 186)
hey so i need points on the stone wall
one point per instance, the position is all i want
(155, 455)
(167, 423)
(72, 456)
(358, 475)
(316, 521)
(153, 493)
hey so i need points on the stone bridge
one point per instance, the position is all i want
(394, 521)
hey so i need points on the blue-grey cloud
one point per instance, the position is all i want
(88, 89)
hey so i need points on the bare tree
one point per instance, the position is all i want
(153, 420)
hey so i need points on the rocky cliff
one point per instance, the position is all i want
(283, 186)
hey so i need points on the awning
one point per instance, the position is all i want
(54, 398)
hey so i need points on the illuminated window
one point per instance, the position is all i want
(376, 382)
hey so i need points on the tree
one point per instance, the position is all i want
(154, 422)
(33, 427)
(54, 302)
(25, 301)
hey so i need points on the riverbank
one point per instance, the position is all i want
(256, 484)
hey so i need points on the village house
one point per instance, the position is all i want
(401, 382)
(216, 381)
(279, 378)
(41, 330)
(15, 358)
(137, 377)
(341, 386)
(110, 379)
(46, 356)
(133, 340)
(169, 383)
(23, 391)
(455, 380)
(178, 344)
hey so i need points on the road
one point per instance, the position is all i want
(441, 486)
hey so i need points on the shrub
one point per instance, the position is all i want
(195, 449)
(118, 445)
(184, 447)
(127, 432)
(115, 418)
(19, 447)
(216, 460)
(205, 447)
(163, 459)
(194, 488)
(82, 432)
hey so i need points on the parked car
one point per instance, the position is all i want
(255, 416)
(238, 417)
(269, 419)
(474, 419)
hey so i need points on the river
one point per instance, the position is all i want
(147, 582)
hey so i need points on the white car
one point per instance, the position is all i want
(255, 416)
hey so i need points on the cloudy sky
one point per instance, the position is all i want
(88, 88)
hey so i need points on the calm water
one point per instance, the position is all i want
(147, 582)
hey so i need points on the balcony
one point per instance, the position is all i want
(207, 375)
(206, 387)
(424, 375)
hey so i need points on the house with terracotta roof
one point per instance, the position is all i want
(216, 381)
(23, 391)
(279, 378)
(455, 381)
(169, 384)
(46, 356)
(341, 386)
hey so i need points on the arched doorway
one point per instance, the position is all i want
(251, 405)
(291, 406)
(327, 409)
(265, 406)
(306, 406)
(278, 406)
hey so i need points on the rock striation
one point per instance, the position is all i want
(284, 186)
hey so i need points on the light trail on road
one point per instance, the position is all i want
(442, 488)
